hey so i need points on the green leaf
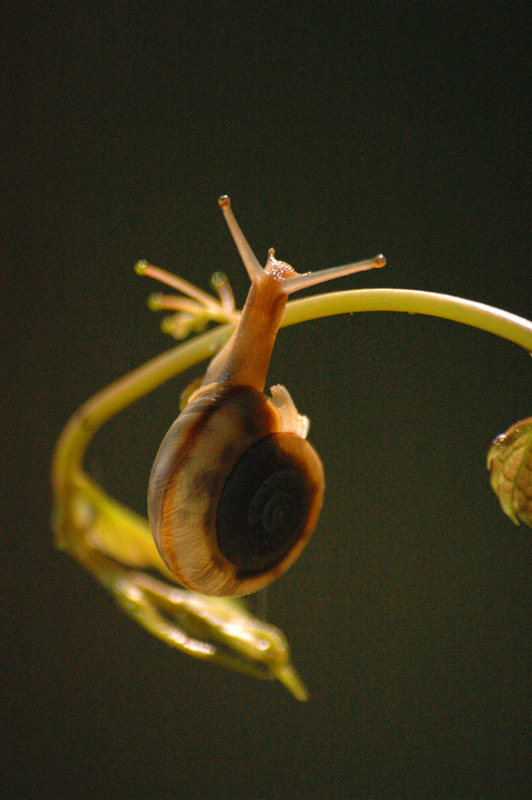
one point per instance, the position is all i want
(510, 464)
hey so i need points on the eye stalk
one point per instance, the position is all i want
(294, 282)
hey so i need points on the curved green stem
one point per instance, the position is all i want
(112, 542)
(92, 414)
(477, 315)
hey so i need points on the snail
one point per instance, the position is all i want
(236, 490)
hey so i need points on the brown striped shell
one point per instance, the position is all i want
(235, 491)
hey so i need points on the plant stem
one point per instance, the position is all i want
(477, 315)
(91, 415)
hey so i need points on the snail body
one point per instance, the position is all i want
(235, 491)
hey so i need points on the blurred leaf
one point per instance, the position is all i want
(510, 464)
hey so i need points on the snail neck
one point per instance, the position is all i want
(245, 359)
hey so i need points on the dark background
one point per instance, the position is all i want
(339, 131)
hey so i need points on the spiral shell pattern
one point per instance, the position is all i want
(233, 495)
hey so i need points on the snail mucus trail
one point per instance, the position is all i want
(236, 490)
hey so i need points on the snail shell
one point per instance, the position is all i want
(236, 490)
